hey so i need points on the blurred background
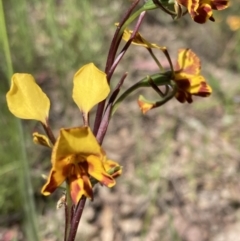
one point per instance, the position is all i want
(181, 162)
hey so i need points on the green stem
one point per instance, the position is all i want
(155, 59)
(158, 79)
(145, 7)
(168, 97)
(149, 5)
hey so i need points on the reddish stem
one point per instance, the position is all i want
(76, 218)
(49, 132)
(106, 118)
(116, 40)
(126, 46)
(110, 59)
(104, 124)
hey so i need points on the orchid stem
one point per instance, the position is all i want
(155, 59)
(76, 218)
(167, 97)
(158, 79)
(145, 7)
(49, 132)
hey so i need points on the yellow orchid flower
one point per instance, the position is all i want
(187, 77)
(188, 81)
(76, 156)
(201, 10)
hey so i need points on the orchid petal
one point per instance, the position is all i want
(188, 62)
(187, 77)
(199, 87)
(90, 87)
(204, 12)
(110, 165)
(55, 179)
(76, 141)
(201, 10)
(145, 105)
(26, 100)
(80, 186)
(139, 40)
(96, 169)
(41, 140)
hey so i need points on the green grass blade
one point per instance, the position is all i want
(12, 141)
